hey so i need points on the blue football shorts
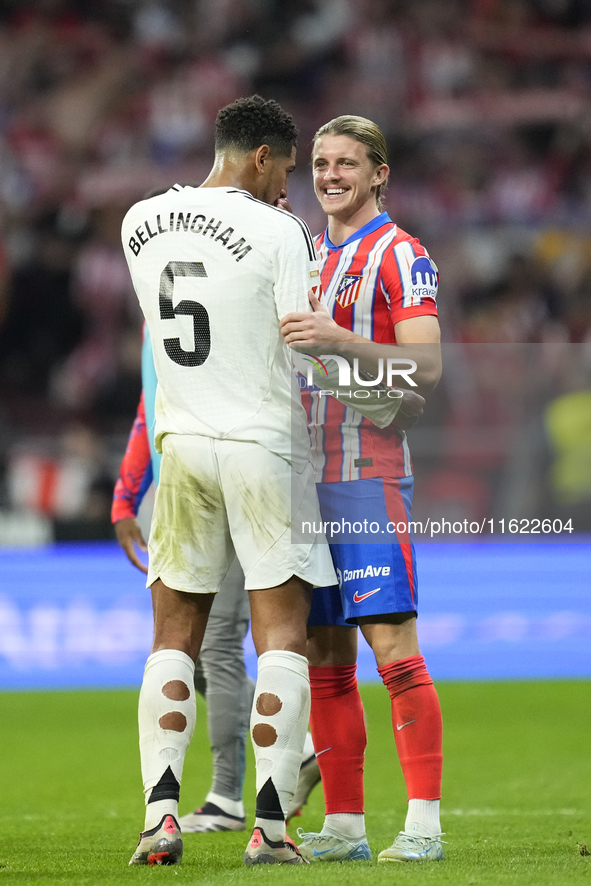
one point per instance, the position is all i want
(367, 527)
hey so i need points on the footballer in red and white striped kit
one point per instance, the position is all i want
(377, 278)
(378, 304)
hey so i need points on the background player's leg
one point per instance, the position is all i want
(416, 720)
(229, 701)
(338, 730)
(167, 716)
(280, 711)
(229, 694)
(199, 678)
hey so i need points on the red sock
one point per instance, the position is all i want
(338, 731)
(416, 718)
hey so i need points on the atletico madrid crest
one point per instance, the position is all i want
(348, 289)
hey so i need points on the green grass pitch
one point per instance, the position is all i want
(516, 806)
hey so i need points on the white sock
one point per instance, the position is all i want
(308, 747)
(422, 818)
(278, 724)
(230, 807)
(350, 825)
(166, 722)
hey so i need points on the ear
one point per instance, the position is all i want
(261, 156)
(380, 175)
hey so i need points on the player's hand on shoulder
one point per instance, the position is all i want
(129, 534)
(411, 409)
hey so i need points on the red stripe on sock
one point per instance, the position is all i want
(416, 719)
(338, 731)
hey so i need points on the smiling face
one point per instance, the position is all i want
(345, 179)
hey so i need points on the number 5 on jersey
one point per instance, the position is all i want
(201, 331)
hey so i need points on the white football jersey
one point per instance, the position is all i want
(214, 270)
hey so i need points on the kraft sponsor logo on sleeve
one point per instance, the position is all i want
(424, 278)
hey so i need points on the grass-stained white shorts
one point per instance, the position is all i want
(217, 497)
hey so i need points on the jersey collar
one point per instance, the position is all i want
(369, 228)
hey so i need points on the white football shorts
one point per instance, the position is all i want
(217, 497)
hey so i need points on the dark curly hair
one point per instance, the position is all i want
(248, 123)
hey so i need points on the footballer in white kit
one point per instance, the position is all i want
(214, 270)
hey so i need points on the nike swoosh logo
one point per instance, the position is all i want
(404, 724)
(357, 598)
(323, 752)
(323, 852)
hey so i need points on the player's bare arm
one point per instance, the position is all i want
(417, 339)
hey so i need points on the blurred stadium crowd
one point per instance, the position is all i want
(487, 108)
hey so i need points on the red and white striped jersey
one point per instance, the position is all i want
(378, 277)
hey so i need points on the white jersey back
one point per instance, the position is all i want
(214, 271)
